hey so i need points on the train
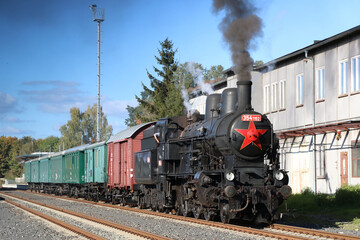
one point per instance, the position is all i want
(223, 164)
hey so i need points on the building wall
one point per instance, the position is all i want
(334, 108)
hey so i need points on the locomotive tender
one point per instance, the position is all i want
(224, 163)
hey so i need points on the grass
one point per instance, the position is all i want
(341, 209)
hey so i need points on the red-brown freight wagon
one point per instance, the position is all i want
(120, 156)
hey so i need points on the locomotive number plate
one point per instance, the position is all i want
(248, 118)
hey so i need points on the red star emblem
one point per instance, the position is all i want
(251, 135)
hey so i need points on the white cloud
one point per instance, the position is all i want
(8, 131)
(13, 120)
(8, 103)
(117, 107)
(59, 99)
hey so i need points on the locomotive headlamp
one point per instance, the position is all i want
(279, 175)
(230, 176)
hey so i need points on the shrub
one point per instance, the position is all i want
(347, 195)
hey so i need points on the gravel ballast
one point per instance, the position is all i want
(157, 225)
(17, 224)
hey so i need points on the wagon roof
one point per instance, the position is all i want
(38, 159)
(75, 149)
(129, 132)
(94, 145)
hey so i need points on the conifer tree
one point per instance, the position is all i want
(163, 98)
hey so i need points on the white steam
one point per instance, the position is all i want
(201, 86)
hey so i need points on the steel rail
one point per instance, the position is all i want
(249, 230)
(65, 225)
(313, 232)
(124, 228)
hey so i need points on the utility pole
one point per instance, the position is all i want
(98, 17)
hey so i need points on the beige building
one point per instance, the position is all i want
(312, 97)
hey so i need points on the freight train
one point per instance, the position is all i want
(222, 164)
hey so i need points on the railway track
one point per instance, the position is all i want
(277, 231)
(80, 231)
(65, 225)
(313, 232)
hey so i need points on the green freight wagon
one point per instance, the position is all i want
(96, 163)
(27, 172)
(74, 165)
(34, 169)
(44, 170)
(56, 168)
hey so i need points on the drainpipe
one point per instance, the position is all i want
(313, 116)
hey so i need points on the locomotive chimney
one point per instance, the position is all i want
(244, 95)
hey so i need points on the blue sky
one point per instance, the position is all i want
(48, 50)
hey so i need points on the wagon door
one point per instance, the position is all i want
(116, 162)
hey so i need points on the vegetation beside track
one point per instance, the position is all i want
(341, 209)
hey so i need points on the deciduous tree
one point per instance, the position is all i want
(81, 128)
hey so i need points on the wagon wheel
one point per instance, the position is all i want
(97, 195)
(198, 211)
(87, 196)
(113, 199)
(76, 193)
(208, 214)
(141, 203)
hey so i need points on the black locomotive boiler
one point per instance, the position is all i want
(224, 163)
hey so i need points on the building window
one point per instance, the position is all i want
(343, 77)
(282, 85)
(320, 162)
(355, 74)
(320, 83)
(355, 157)
(266, 98)
(299, 89)
(274, 96)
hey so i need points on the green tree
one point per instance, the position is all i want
(258, 63)
(89, 125)
(49, 144)
(186, 72)
(160, 100)
(81, 128)
(214, 73)
(71, 132)
(27, 145)
(9, 149)
(131, 120)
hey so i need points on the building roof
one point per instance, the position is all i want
(320, 129)
(129, 132)
(309, 49)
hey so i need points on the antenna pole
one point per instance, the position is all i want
(98, 17)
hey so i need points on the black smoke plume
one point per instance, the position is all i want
(239, 26)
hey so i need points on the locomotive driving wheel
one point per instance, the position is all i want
(185, 209)
(208, 214)
(198, 211)
(224, 213)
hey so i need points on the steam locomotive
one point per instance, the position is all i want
(222, 164)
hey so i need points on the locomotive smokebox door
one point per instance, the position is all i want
(250, 135)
